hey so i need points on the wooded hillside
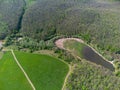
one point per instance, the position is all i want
(96, 20)
(10, 16)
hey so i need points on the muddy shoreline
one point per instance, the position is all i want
(88, 53)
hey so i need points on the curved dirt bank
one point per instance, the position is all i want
(89, 53)
(60, 42)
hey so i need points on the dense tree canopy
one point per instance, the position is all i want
(10, 15)
(95, 20)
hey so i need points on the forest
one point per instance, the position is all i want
(10, 16)
(96, 21)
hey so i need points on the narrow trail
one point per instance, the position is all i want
(33, 87)
(67, 76)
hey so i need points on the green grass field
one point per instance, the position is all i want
(1, 54)
(11, 77)
(45, 72)
(74, 46)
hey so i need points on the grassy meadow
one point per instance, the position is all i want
(46, 73)
(74, 46)
(11, 77)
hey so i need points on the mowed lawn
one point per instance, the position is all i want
(11, 77)
(45, 72)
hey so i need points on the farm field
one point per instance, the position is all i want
(11, 77)
(45, 72)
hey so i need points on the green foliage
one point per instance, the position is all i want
(10, 16)
(66, 56)
(3, 30)
(75, 47)
(29, 2)
(117, 67)
(34, 45)
(95, 20)
(87, 37)
(11, 39)
(87, 76)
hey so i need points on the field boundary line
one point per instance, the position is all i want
(33, 87)
(67, 76)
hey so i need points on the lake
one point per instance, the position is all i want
(92, 56)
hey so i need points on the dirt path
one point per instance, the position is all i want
(23, 70)
(60, 42)
(66, 78)
(71, 68)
